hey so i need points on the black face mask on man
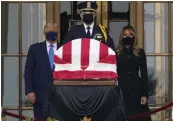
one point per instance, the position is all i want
(51, 36)
(88, 18)
(128, 41)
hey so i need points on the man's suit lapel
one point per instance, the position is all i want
(83, 32)
(58, 45)
(95, 30)
(45, 55)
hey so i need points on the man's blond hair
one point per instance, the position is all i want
(49, 24)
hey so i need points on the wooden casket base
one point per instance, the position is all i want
(87, 82)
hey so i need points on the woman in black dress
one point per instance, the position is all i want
(130, 60)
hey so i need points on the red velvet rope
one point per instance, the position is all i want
(130, 117)
(151, 112)
(18, 116)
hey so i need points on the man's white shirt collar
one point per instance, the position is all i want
(48, 46)
(91, 28)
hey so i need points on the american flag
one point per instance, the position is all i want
(85, 59)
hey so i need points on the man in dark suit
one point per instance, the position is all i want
(39, 67)
(89, 29)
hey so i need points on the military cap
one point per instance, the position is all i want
(87, 6)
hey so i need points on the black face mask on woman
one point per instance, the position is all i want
(128, 41)
(88, 18)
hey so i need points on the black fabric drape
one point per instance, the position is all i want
(72, 103)
(64, 25)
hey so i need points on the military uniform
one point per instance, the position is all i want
(97, 32)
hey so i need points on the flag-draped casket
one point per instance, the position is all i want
(83, 59)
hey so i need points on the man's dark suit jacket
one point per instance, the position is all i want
(38, 73)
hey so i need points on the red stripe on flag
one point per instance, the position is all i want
(103, 51)
(67, 50)
(85, 47)
(58, 60)
(110, 59)
(87, 75)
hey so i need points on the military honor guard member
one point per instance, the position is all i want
(89, 29)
